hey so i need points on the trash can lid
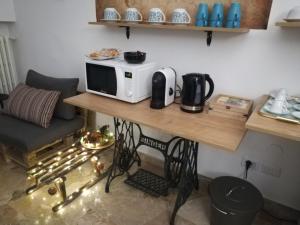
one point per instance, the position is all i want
(233, 194)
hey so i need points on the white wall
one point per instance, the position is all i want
(7, 11)
(53, 36)
(7, 15)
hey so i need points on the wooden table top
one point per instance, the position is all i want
(220, 132)
(263, 124)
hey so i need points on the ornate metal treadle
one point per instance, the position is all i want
(149, 183)
(180, 168)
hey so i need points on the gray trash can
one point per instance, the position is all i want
(234, 201)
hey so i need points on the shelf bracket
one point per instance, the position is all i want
(127, 29)
(128, 32)
(209, 37)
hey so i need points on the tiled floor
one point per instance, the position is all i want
(122, 206)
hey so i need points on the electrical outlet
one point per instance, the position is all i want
(254, 167)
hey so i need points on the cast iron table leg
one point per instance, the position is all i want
(189, 178)
(125, 152)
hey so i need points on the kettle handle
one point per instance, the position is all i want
(211, 86)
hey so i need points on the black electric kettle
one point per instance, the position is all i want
(193, 92)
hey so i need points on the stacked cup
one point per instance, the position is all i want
(234, 16)
(202, 15)
(217, 15)
(216, 18)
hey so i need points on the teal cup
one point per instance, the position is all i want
(234, 16)
(202, 15)
(217, 15)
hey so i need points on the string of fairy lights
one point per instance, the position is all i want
(53, 170)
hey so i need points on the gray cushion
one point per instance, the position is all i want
(66, 86)
(27, 136)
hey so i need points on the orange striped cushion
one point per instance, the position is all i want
(31, 104)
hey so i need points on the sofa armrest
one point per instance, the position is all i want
(3, 97)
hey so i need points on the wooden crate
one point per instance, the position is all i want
(32, 157)
(233, 107)
(255, 13)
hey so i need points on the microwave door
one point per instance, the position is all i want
(102, 79)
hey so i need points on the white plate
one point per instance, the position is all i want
(296, 99)
(268, 108)
(187, 23)
(296, 114)
(101, 57)
(292, 20)
(297, 107)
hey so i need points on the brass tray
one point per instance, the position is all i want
(101, 142)
(286, 118)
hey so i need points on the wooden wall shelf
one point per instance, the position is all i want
(209, 30)
(288, 24)
(255, 13)
(171, 27)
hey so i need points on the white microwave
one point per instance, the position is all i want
(117, 79)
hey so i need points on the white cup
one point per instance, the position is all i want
(134, 15)
(294, 13)
(279, 107)
(111, 14)
(180, 15)
(282, 94)
(156, 15)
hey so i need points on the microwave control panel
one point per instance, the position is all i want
(128, 84)
(128, 75)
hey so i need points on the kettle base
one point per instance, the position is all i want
(192, 109)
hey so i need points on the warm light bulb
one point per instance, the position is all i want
(58, 180)
(94, 159)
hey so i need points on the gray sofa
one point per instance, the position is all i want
(27, 143)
